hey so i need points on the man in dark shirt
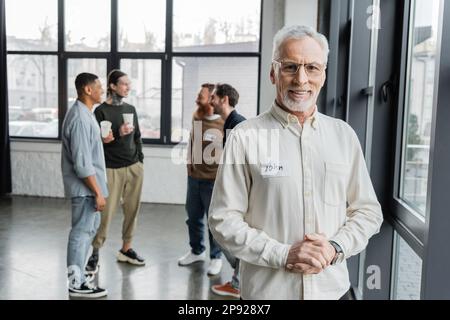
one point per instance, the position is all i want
(224, 100)
(124, 167)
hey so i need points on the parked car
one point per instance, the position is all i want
(16, 113)
(33, 129)
(45, 114)
(50, 130)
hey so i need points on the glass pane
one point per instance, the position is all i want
(77, 66)
(190, 73)
(215, 25)
(407, 271)
(145, 94)
(142, 25)
(419, 102)
(32, 25)
(33, 95)
(88, 25)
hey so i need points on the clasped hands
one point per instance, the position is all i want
(310, 256)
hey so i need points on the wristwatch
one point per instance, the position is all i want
(339, 256)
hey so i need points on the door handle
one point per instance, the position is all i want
(367, 91)
(385, 91)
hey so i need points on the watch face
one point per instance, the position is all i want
(338, 258)
(336, 247)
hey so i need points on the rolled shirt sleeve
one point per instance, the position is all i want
(80, 146)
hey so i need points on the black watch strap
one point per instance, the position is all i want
(336, 246)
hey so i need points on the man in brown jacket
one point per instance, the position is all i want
(204, 151)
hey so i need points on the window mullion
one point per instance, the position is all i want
(62, 70)
(166, 78)
(113, 62)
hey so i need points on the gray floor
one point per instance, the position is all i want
(33, 240)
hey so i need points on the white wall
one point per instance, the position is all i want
(302, 12)
(276, 14)
(36, 171)
(273, 20)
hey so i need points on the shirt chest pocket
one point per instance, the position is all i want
(335, 184)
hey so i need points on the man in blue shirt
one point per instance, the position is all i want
(84, 177)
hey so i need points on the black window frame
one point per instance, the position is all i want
(113, 58)
(428, 236)
(408, 222)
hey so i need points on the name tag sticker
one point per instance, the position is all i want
(209, 137)
(273, 170)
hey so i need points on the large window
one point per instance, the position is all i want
(168, 48)
(142, 25)
(32, 78)
(420, 93)
(216, 26)
(32, 25)
(407, 271)
(76, 66)
(419, 206)
(33, 95)
(188, 72)
(87, 25)
(145, 77)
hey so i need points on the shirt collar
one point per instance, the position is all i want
(286, 118)
(229, 118)
(85, 107)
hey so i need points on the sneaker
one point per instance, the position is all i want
(89, 277)
(87, 290)
(131, 257)
(226, 290)
(215, 266)
(92, 265)
(190, 258)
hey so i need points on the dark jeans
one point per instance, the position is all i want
(234, 263)
(198, 198)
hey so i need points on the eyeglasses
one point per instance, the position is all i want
(288, 68)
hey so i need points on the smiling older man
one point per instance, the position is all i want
(293, 219)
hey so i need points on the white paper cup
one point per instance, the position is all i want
(128, 118)
(105, 128)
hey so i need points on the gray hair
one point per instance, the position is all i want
(299, 32)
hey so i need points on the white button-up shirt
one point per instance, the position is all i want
(300, 180)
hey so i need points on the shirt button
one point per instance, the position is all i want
(307, 193)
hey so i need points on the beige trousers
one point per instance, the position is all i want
(124, 186)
